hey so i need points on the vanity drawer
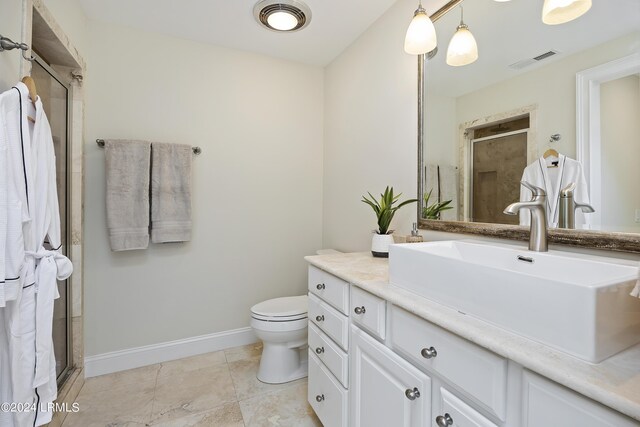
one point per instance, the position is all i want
(330, 354)
(327, 398)
(329, 321)
(329, 288)
(368, 311)
(481, 374)
(457, 413)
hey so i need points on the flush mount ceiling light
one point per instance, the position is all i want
(282, 15)
(463, 49)
(556, 12)
(421, 34)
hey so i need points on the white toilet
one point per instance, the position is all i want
(281, 324)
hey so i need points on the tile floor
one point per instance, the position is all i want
(214, 389)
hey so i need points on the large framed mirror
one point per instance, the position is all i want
(555, 105)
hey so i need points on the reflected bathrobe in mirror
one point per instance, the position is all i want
(29, 319)
(552, 180)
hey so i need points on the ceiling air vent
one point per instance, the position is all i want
(527, 62)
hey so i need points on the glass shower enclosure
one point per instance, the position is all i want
(55, 95)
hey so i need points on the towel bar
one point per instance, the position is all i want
(196, 150)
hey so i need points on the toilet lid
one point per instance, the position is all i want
(281, 307)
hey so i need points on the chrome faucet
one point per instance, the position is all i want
(538, 207)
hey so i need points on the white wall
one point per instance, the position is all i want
(552, 88)
(620, 127)
(11, 27)
(370, 130)
(440, 129)
(71, 18)
(257, 187)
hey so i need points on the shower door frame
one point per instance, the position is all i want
(67, 219)
(472, 141)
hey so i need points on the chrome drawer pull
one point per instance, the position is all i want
(429, 353)
(319, 398)
(359, 310)
(320, 318)
(320, 286)
(319, 350)
(412, 394)
(444, 421)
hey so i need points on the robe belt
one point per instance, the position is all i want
(51, 266)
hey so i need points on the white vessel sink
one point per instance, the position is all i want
(575, 303)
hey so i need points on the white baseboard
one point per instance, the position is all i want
(122, 360)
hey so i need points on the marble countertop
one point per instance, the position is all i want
(614, 382)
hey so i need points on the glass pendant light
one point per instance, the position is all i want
(463, 49)
(421, 34)
(556, 12)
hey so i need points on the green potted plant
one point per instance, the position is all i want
(385, 209)
(433, 211)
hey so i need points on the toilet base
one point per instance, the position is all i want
(280, 363)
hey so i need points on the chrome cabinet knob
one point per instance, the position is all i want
(320, 286)
(359, 310)
(429, 353)
(319, 350)
(412, 394)
(444, 420)
(320, 318)
(319, 398)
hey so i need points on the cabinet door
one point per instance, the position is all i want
(385, 389)
(549, 404)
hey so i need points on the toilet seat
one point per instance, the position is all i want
(287, 309)
(278, 318)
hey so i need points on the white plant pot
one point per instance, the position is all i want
(380, 245)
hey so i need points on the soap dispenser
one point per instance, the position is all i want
(415, 237)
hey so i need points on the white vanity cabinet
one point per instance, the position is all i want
(328, 347)
(374, 364)
(385, 389)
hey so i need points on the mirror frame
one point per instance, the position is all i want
(589, 239)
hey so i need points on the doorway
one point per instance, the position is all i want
(55, 96)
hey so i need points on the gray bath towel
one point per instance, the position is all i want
(127, 170)
(170, 193)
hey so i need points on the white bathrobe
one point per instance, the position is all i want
(12, 178)
(13, 128)
(552, 180)
(30, 316)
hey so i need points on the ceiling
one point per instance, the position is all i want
(513, 31)
(335, 24)
(506, 32)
